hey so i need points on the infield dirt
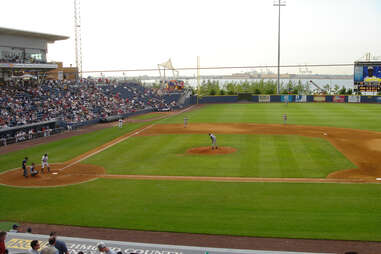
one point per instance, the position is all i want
(361, 147)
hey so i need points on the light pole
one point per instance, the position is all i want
(279, 3)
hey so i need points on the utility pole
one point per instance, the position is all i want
(77, 37)
(279, 3)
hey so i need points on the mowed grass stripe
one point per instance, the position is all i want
(247, 158)
(256, 156)
(356, 116)
(329, 211)
(288, 164)
(269, 164)
(299, 147)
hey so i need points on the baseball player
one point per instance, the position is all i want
(214, 141)
(285, 119)
(33, 171)
(25, 174)
(120, 123)
(185, 122)
(44, 163)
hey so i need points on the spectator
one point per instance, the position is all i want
(3, 235)
(15, 228)
(102, 248)
(60, 245)
(50, 249)
(30, 132)
(4, 139)
(35, 246)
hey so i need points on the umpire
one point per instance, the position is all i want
(25, 174)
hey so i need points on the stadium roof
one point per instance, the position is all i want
(48, 37)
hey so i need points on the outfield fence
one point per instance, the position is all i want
(286, 99)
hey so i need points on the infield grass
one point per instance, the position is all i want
(355, 116)
(65, 149)
(256, 156)
(297, 210)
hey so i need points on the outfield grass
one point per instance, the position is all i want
(148, 116)
(256, 156)
(356, 116)
(300, 210)
(65, 149)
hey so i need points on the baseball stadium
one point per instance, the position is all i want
(116, 165)
(313, 177)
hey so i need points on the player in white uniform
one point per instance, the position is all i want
(120, 123)
(214, 141)
(44, 163)
(185, 122)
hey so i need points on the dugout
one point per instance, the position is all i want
(40, 129)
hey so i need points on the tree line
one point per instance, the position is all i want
(213, 87)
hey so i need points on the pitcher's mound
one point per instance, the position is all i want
(207, 150)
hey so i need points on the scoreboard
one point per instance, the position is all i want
(367, 76)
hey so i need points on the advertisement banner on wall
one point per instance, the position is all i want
(378, 99)
(354, 98)
(301, 98)
(286, 98)
(319, 98)
(338, 98)
(264, 98)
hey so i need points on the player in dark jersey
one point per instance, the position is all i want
(33, 171)
(24, 167)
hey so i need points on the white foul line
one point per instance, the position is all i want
(110, 145)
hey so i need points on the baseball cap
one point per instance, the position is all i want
(101, 245)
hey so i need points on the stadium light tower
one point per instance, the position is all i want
(279, 3)
(77, 36)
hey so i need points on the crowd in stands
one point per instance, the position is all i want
(28, 101)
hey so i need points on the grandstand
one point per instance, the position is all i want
(37, 105)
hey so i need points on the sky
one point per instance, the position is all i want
(119, 34)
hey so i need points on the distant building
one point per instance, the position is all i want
(24, 53)
(63, 73)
